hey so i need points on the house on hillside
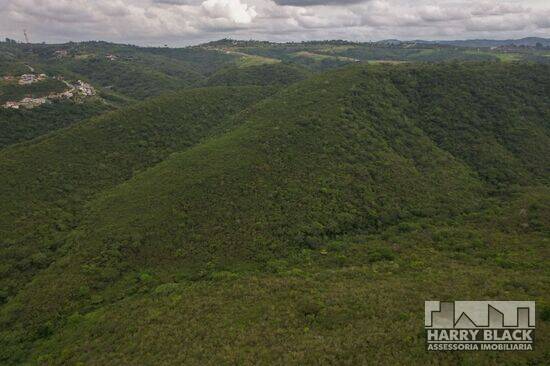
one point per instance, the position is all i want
(32, 102)
(85, 88)
(13, 105)
(61, 53)
(27, 79)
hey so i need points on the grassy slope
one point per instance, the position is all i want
(295, 237)
(46, 182)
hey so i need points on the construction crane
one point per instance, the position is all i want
(26, 35)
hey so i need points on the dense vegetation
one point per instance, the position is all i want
(133, 72)
(123, 74)
(502, 136)
(332, 54)
(46, 182)
(39, 89)
(22, 125)
(261, 75)
(130, 79)
(240, 225)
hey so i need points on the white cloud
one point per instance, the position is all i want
(234, 10)
(180, 22)
(542, 19)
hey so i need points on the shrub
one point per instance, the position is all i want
(223, 276)
(380, 254)
(277, 265)
(545, 312)
(310, 307)
(166, 289)
(44, 330)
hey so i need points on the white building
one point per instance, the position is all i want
(85, 88)
(14, 105)
(26, 79)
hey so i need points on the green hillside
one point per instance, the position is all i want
(499, 127)
(122, 74)
(261, 75)
(23, 125)
(303, 227)
(204, 61)
(130, 71)
(36, 90)
(130, 79)
(46, 182)
(323, 55)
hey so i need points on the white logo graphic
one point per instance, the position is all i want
(480, 325)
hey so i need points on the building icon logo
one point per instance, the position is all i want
(480, 325)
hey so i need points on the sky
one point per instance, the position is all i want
(185, 22)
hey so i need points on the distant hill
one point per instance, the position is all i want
(121, 75)
(529, 41)
(130, 71)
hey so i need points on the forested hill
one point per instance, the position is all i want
(288, 225)
(124, 74)
(47, 181)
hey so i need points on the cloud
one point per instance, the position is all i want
(178, 2)
(542, 19)
(317, 2)
(179, 22)
(488, 8)
(233, 10)
(440, 14)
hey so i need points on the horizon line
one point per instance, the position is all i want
(427, 41)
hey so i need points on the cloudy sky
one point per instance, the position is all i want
(183, 22)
